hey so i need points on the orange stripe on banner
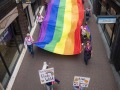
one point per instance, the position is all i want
(78, 47)
(69, 44)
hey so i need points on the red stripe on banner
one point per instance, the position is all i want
(78, 47)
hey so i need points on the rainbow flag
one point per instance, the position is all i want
(60, 30)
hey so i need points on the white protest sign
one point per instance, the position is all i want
(76, 81)
(84, 81)
(46, 75)
(81, 81)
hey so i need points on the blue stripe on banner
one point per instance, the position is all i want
(51, 24)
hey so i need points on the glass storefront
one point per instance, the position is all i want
(108, 29)
(11, 44)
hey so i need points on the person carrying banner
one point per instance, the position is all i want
(49, 85)
(28, 43)
(83, 34)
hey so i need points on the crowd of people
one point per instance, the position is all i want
(86, 37)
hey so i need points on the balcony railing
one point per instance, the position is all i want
(6, 6)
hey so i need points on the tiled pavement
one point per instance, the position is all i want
(66, 67)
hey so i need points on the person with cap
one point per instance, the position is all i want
(28, 43)
(87, 52)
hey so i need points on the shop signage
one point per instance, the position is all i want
(106, 19)
(81, 81)
(46, 75)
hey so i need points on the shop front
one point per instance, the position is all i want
(11, 44)
(111, 30)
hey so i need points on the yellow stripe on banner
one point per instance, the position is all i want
(70, 42)
(60, 46)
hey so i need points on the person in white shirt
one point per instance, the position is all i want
(28, 42)
(39, 19)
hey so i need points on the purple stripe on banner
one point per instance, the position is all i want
(45, 21)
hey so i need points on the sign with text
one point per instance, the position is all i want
(76, 81)
(81, 81)
(84, 81)
(46, 75)
(106, 19)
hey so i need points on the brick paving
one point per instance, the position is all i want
(66, 67)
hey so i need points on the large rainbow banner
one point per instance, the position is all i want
(60, 30)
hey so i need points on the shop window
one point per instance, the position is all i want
(109, 33)
(112, 11)
(104, 7)
(103, 10)
(3, 73)
(11, 44)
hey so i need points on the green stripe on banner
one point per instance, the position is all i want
(58, 28)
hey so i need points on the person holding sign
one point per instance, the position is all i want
(78, 88)
(48, 76)
(50, 84)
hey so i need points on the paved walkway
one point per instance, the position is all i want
(66, 67)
